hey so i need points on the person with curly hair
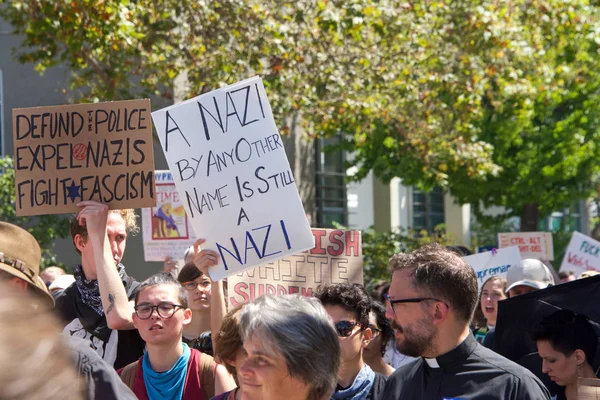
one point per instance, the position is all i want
(349, 306)
(382, 333)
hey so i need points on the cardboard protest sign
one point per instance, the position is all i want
(493, 263)
(67, 154)
(531, 244)
(231, 170)
(336, 258)
(583, 254)
(167, 231)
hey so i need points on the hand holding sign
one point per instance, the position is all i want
(203, 259)
(93, 216)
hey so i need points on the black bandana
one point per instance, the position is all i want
(89, 290)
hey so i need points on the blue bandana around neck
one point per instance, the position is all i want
(360, 387)
(166, 385)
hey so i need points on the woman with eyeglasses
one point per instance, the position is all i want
(206, 299)
(170, 369)
(567, 344)
(382, 334)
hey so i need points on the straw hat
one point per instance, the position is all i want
(20, 256)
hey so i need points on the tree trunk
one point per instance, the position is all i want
(529, 218)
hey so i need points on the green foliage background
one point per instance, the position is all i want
(45, 228)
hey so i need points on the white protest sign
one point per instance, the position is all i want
(581, 255)
(531, 244)
(231, 171)
(166, 230)
(493, 263)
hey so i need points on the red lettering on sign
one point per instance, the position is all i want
(337, 246)
(353, 243)
(318, 234)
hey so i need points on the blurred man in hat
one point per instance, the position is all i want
(20, 256)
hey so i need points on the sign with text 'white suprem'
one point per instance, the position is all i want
(231, 171)
(493, 263)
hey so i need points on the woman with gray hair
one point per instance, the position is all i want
(292, 347)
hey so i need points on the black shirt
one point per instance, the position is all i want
(101, 380)
(378, 388)
(118, 348)
(470, 371)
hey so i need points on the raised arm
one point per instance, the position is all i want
(116, 305)
(203, 259)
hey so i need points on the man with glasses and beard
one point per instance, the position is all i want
(430, 302)
(348, 306)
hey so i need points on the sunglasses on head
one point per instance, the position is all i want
(345, 328)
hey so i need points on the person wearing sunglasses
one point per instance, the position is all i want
(430, 302)
(348, 306)
(170, 369)
(382, 334)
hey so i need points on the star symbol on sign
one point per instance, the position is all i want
(73, 191)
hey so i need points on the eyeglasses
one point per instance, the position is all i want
(376, 331)
(414, 300)
(164, 310)
(345, 328)
(191, 285)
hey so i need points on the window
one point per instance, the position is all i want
(428, 209)
(330, 185)
(568, 219)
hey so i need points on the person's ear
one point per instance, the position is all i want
(79, 242)
(367, 337)
(19, 284)
(579, 356)
(187, 316)
(440, 312)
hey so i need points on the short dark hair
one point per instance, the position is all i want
(162, 278)
(442, 274)
(567, 332)
(565, 274)
(189, 272)
(387, 333)
(351, 297)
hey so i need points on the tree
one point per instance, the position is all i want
(492, 100)
(45, 228)
(517, 77)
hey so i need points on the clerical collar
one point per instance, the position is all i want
(432, 362)
(455, 356)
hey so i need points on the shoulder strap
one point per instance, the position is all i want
(206, 374)
(128, 374)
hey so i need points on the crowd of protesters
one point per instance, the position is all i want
(428, 333)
